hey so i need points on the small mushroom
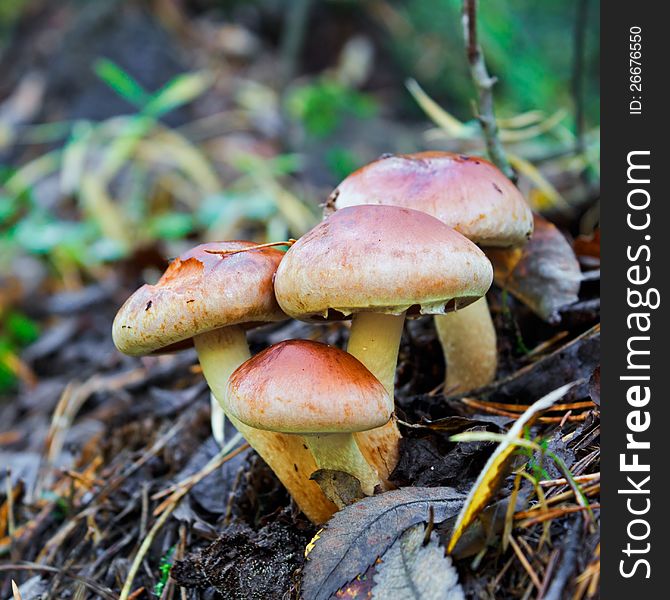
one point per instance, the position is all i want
(208, 299)
(475, 198)
(377, 263)
(317, 391)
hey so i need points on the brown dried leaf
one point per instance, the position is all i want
(544, 274)
(342, 489)
(588, 245)
(358, 534)
(456, 424)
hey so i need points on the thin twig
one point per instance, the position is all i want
(540, 516)
(188, 481)
(288, 242)
(144, 548)
(578, 478)
(524, 563)
(484, 85)
(9, 491)
(171, 504)
(217, 462)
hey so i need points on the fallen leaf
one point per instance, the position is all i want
(456, 424)
(342, 489)
(358, 534)
(588, 245)
(412, 569)
(484, 531)
(544, 274)
(360, 588)
(495, 469)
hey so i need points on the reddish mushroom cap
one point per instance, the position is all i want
(380, 259)
(467, 193)
(199, 292)
(300, 386)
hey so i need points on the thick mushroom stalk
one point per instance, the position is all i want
(468, 340)
(339, 452)
(374, 340)
(222, 351)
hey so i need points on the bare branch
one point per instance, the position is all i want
(484, 85)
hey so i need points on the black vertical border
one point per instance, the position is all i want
(622, 133)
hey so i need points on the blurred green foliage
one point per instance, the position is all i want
(10, 12)
(133, 152)
(341, 162)
(528, 44)
(16, 332)
(321, 106)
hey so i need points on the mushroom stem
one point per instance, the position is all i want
(468, 340)
(218, 420)
(375, 340)
(220, 352)
(339, 452)
(229, 345)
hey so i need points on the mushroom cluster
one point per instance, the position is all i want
(399, 240)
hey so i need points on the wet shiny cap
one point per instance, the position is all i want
(300, 386)
(200, 291)
(467, 193)
(382, 259)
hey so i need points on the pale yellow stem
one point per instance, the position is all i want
(218, 420)
(220, 352)
(339, 452)
(468, 340)
(375, 340)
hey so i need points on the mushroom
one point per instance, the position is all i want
(317, 391)
(376, 263)
(208, 299)
(475, 198)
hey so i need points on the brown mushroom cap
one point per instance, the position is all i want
(467, 193)
(381, 259)
(200, 292)
(300, 386)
